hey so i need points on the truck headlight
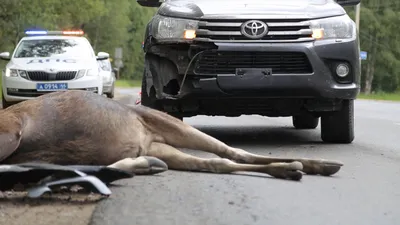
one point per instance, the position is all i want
(341, 27)
(174, 29)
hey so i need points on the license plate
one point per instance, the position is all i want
(51, 86)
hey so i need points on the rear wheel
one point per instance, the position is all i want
(305, 121)
(338, 127)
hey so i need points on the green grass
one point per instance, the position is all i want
(128, 83)
(381, 96)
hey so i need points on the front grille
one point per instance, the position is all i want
(230, 31)
(214, 62)
(44, 76)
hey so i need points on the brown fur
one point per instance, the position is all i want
(79, 127)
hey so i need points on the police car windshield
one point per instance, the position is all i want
(65, 48)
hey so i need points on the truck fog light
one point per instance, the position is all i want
(342, 70)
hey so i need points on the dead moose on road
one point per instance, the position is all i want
(132, 140)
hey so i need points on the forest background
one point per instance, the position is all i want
(110, 24)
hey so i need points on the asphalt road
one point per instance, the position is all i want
(366, 190)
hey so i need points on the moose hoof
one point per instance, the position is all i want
(324, 168)
(293, 171)
(329, 169)
(156, 165)
(290, 171)
(143, 165)
(294, 175)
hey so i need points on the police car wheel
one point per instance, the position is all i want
(111, 94)
(4, 103)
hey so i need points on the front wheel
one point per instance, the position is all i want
(4, 102)
(338, 127)
(146, 100)
(111, 94)
(150, 101)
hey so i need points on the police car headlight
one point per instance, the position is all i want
(90, 72)
(11, 73)
(80, 74)
(23, 73)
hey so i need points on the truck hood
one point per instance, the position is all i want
(45, 64)
(251, 9)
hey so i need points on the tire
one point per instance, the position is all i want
(145, 98)
(305, 121)
(338, 127)
(4, 103)
(111, 94)
(150, 101)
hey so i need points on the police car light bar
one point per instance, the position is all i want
(45, 32)
(35, 32)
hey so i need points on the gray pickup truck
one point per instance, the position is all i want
(297, 58)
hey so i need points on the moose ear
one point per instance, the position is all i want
(9, 142)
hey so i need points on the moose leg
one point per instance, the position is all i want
(178, 160)
(181, 135)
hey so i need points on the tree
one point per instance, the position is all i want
(109, 24)
(378, 36)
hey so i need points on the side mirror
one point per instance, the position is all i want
(149, 3)
(348, 2)
(5, 56)
(102, 56)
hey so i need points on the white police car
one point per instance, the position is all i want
(48, 61)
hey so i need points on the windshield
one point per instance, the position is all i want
(71, 48)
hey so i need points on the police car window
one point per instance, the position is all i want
(53, 48)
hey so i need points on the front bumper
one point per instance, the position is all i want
(320, 82)
(17, 89)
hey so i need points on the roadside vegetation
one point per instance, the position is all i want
(112, 24)
(381, 96)
(128, 83)
(378, 37)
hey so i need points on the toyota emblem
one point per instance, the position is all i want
(254, 29)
